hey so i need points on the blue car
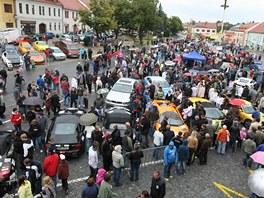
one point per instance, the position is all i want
(158, 80)
(50, 35)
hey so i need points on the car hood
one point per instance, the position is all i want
(66, 139)
(59, 54)
(118, 96)
(14, 60)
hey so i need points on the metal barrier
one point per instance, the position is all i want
(148, 158)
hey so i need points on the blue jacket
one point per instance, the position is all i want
(183, 151)
(170, 154)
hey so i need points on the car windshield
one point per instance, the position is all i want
(10, 56)
(34, 54)
(163, 83)
(42, 43)
(65, 129)
(248, 109)
(72, 47)
(213, 113)
(122, 88)
(244, 81)
(174, 119)
(56, 50)
(119, 125)
(27, 47)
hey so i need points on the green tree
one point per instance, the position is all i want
(100, 16)
(175, 25)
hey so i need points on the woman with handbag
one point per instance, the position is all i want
(222, 138)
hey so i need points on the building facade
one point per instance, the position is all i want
(7, 11)
(255, 38)
(204, 28)
(240, 34)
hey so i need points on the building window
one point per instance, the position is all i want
(208, 30)
(59, 26)
(33, 9)
(27, 9)
(203, 30)
(54, 11)
(73, 15)
(39, 10)
(59, 12)
(8, 8)
(54, 26)
(9, 25)
(197, 30)
(49, 12)
(50, 26)
(20, 8)
(43, 10)
(66, 14)
(213, 31)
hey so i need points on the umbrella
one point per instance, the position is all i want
(33, 101)
(256, 181)
(96, 55)
(88, 119)
(187, 74)
(103, 91)
(213, 71)
(258, 157)
(237, 102)
(202, 73)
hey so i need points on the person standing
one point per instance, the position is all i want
(170, 158)
(145, 126)
(49, 187)
(106, 189)
(158, 142)
(63, 172)
(43, 126)
(93, 159)
(28, 149)
(3, 74)
(249, 147)
(97, 135)
(2, 105)
(183, 156)
(16, 119)
(135, 161)
(20, 103)
(35, 133)
(50, 166)
(55, 102)
(106, 150)
(222, 140)
(158, 186)
(88, 133)
(65, 88)
(24, 190)
(118, 163)
(89, 81)
(100, 176)
(91, 190)
(192, 145)
(205, 145)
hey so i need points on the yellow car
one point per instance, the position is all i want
(24, 47)
(246, 110)
(211, 111)
(40, 46)
(167, 109)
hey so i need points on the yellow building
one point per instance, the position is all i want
(7, 11)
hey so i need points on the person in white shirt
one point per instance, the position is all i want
(93, 159)
(157, 141)
(213, 95)
(74, 82)
(194, 91)
(88, 131)
(187, 113)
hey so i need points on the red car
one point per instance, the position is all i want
(24, 38)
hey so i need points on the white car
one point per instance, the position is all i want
(11, 59)
(57, 53)
(119, 95)
(245, 81)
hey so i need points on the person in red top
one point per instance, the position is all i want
(16, 119)
(56, 83)
(65, 91)
(109, 58)
(222, 137)
(50, 165)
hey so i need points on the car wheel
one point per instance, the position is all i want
(247, 123)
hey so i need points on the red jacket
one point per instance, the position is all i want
(51, 164)
(55, 79)
(63, 169)
(16, 119)
(65, 86)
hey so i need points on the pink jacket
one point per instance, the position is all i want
(100, 176)
(243, 133)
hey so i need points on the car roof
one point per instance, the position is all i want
(126, 81)
(67, 118)
(24, 43)
(196, 99)
(68, 42)
(165, 105)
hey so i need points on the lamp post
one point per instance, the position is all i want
(222, 25)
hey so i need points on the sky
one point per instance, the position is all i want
(211, 10)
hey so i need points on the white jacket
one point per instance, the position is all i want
(118, 160)
(93, 158)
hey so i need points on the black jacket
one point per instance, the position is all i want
(106, 149)
(97, 136)
(168, 135)
(158, 188)
(135, 157)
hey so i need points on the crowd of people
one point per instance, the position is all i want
(177, 150)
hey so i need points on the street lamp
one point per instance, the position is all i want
(222, 26)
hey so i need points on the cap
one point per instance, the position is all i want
(62, 157)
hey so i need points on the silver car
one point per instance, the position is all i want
(120, 93)
(57, 53)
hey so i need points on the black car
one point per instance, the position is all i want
(116, 116)
(7, 162)
(68, 134)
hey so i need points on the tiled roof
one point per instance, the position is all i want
(205, 25)
(258, 29)
(72, 5)
(56, 2)
(245, 27)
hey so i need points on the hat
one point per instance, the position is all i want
(62, 157)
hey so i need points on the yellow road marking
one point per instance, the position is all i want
(227, 191)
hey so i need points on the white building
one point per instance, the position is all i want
(39, 16)
(205, 28)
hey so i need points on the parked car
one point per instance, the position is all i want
(8, 48)
(37, 57)
(69, 48)
(40, 46)
(167, 109)
(23, 38)
(7, 161)
(50, 35)
(24, 47)
(73, 35)
(157, 80)
(11, 59)
(245, 81)
(119, 95)
(66, 37)
(116, 116)
(57, 53)
(68, 134)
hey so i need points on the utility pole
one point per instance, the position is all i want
(222, 26)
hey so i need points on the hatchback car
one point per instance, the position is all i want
(40, 46)
(119, 95)
(23, 38)
(37, 57)
(69, 48)
(57, 53)
(11, 59)
(24, 47)
(68, 134)
(157, 80)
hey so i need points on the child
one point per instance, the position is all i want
(63, 172)
(100, 176)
